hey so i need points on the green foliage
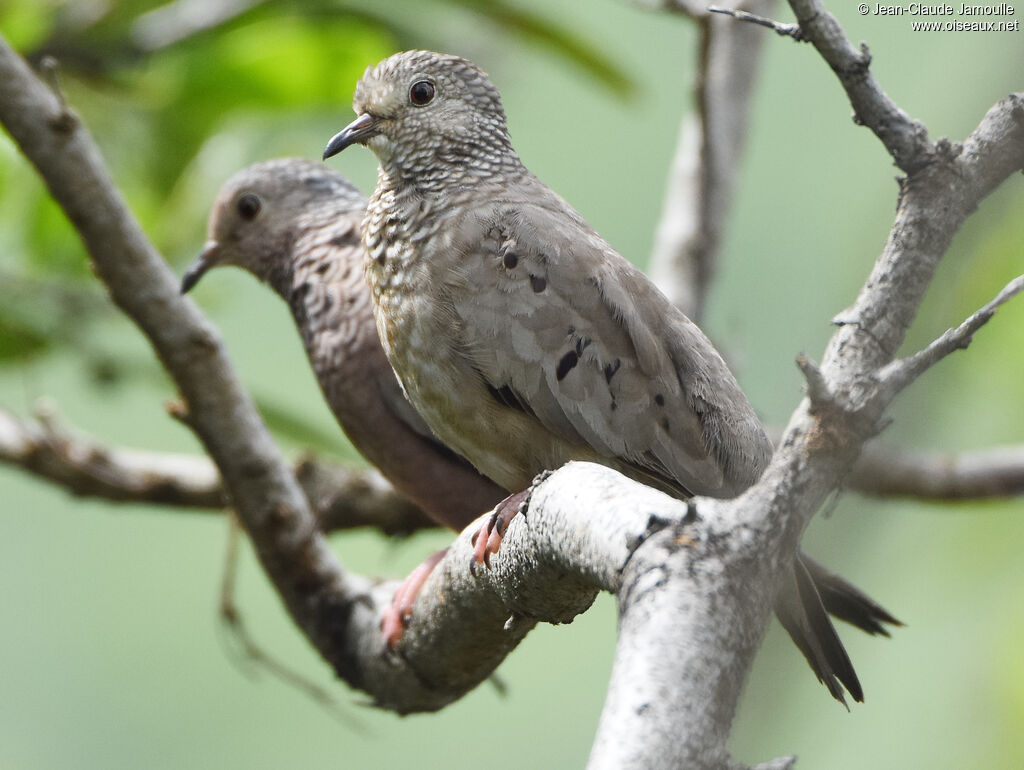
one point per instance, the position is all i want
(40, 314)
(564, 41)
(154, 99)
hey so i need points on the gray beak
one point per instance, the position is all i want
(207, 258)
(356, 132)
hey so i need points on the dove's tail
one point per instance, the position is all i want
(803, 606)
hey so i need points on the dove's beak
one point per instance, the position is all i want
(356, 132)
(207, 258)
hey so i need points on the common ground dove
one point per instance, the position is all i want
(295, 225)
(526, 341)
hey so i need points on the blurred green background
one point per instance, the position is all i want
(110, 653)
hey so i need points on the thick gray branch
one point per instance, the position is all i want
(757, 534)
(825, 433)
(933, 206)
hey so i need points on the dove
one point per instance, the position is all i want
(525, 340)
(294, 224)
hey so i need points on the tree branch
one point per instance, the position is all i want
(900, 373)
(823, 439)
(786, 30)
(905, 138)
(756, 534)
(341, 498)
(706, 162)
(338, 612)
(695, 581)
(88, 469)
(344, 498)
(994, 473)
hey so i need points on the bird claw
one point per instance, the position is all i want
(487, 540)
(396, 616)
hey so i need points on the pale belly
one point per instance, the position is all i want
(508, 445)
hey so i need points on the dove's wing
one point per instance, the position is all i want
(585, 342)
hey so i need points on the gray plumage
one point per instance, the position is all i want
(526, 341)
(295, 225)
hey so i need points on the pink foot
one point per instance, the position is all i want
(396, 616)
(488, 539)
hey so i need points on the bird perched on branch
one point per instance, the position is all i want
(526, 341)
(294, 224)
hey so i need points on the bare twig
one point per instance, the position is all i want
(88, 469)
(248, 653)
(340, 497)
(786, 30)
(901, 372)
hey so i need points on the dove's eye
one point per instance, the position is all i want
(421, 93)
(249, 206)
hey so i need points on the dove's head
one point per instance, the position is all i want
(426, 113)
(260, 210)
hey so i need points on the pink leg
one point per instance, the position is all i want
(488, 539)
(397, 615)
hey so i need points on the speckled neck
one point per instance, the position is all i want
(446, 165)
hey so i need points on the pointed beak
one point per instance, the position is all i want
(207, 258)
(357, 132)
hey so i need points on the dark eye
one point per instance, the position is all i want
(421, 93)
(249, 206)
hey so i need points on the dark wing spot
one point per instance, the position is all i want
(510, 260)
(659, 400)
(566, 365)
(581, 344)
(611, 369)
(323, 267)
(538, 284)
(665, 424)
(345, 239)
(506, 397)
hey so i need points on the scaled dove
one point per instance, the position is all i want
(526, 341)
(295, 225)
